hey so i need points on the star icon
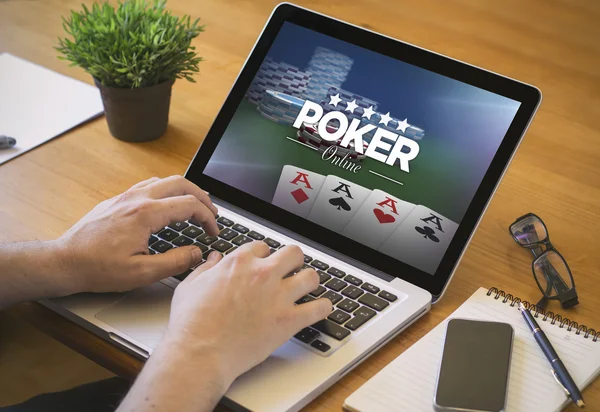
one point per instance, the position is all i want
(350, 106)
(368, 112)
(402, 125)
(385, 118)
(334, 100)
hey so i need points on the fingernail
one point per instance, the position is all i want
(213, 256)
(197, 254)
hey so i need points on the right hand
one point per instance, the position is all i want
(239, 308)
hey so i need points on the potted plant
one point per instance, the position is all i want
(134, 52)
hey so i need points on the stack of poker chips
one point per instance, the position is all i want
(328, 69)
(279, 107)
(281, 77)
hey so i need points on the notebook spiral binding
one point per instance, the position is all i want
(555, 317)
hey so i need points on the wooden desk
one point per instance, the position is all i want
(553, 44)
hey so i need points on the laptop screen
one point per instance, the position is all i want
(380, 151)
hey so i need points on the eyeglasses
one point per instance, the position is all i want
(550, 269)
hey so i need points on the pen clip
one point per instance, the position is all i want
(560, 383)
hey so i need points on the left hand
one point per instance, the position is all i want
(107, 250)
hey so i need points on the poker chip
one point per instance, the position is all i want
(277, 76)
(329, 69)
(280, 107)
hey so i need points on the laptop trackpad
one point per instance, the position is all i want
(142, 314)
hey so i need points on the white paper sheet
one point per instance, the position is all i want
(37, 104)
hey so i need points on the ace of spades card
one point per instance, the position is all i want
(421, 239)
(377, 219)
(297, 190)
(337, 203)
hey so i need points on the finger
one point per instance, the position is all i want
(214, 258)
(180, 208)
(310, 313)
(179, 186)
(302, 283)
(288, 259)
(259, 249)
(144, 183)
(151, 268)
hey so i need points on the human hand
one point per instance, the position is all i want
(238, 309)
(107, 250)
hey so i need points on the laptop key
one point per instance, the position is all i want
(336, 272)
(220, 226)
(192, 231)
(318, 291)
(354, 280)
(168, 234)
(361, 316)
(161, 246)
(240, 228)
(224, 221)
(241, 240)
(352, 292)
(388, 296)
(182, 241)
(152, 239)
(338, 317)
(272, 243)
(255, 235)
(179, 226)
(221, 245)
(228, 234)
(373, 301)
(320, 265)
(307, 335)
(321, 346)
(150, 251)
(304, 299)
(202, 247)
(370, 288)
(307, 259)
(323, 277)
(271, 251)
(332, 296)
(348, 305)
(336, 284)
(332, 329)
(230, 250)
(206, 239)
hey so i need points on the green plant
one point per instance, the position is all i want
(138, 44)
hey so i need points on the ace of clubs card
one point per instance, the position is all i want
(421, 239)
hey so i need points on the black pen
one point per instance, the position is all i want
(7, 142)
(558, 368)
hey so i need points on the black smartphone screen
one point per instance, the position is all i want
(475, 364)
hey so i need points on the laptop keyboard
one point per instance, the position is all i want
(355, 302)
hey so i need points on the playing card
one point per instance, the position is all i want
(337, 203)
(377, 219)
(421, 239)
(297, 190)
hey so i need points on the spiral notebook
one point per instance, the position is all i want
(408, 382)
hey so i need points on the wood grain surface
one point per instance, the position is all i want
(553, 44)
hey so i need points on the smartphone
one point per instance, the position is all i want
(473, 374)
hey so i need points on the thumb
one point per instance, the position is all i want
(213, 259)
(171, 263)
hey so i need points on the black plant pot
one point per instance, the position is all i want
(137, 115)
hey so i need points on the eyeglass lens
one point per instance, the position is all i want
(552, 274)
(529, 230)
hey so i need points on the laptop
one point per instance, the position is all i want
(377, 157)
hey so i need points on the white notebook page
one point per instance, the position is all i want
(408, 382)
